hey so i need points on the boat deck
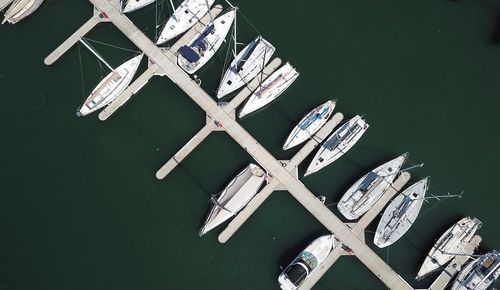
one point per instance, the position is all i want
(166, 61)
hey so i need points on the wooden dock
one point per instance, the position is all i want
(166, 60)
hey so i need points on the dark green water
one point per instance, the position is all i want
(80, 207)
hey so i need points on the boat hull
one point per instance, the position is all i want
(270, 89)
(4, 3)
(367, 190)
(310, 124)
(234, 197)
(245, 66)
(339, 142)
(133, 5)
(111, 86)
(400, 214)
(479, 274)
(20, 9)
(451, 243)
(206, 48)
(306, 262)
(183, 18)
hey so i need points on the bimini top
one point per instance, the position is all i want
(189, 52)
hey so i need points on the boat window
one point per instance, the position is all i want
(223, 21)
(415, 194)
(321, 159)
(229, 82)
(186, 11)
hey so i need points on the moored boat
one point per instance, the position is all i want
(310, 124)
(111, 86)
(270, 89)
(449, 245)
(20, 9)
(365, 192)
(4, 3)
(338, 143)
(133, 5)
(245, 66)
(306, 262)
(204, 45)
(479, 274)
(183, 18)
(400, 214)
(234, 197)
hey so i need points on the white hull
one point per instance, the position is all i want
(338, 143)
(365, 192)
(270, 89)
(133, 5)
(451, 243)
(235, 196)
(306, 262)
(310, 124)
(245, 66)
(4, 3)
(479, 274)
(111, 86)
(21, 9)
(183, 18)
(205, 44)
(400, 214)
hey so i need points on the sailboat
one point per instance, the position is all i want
(4, 3)
(365, 192)
(338, 143)
(21, 9)
(184, 17)
(270, 89)
(306, 262)
(310, 124)
(479, 274)
(204, 45)
(133, 5)
(450, 244)
(111, 86)
(234, 197)
(246, 65)
(400, 214)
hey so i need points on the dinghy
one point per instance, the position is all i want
(270, 89)
(400, 214)
(111, 86)
(338, 143)
(184, 17)
(20, 9)
(4, 3)
(204, 45)
(133, 5)
(245, 66)
(310, 124)
(479, 274)
(449, 245)
(306, 262)
(234, 197)
(365, 192)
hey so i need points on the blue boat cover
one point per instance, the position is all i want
(189, 54)
(199, 42)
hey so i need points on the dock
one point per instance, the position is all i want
(166, 60)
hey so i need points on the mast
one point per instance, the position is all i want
(173, 9)
(96, 54)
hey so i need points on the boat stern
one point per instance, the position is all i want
(285, 283)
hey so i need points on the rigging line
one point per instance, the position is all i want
(81, 70)
(110, 45)
(249, 22)
(226, 59)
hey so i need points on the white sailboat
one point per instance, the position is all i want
(400, 214)
(246, 65)
(20, 9)
(270, 89)
(133, 5)
(234, 197)
(4, 3)
(111, 86)
(365, 192)
(479, 274)
(450, 244)
(310, 124)
(338, 143)
(204, 45)
(306, 262)
(183, 18)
